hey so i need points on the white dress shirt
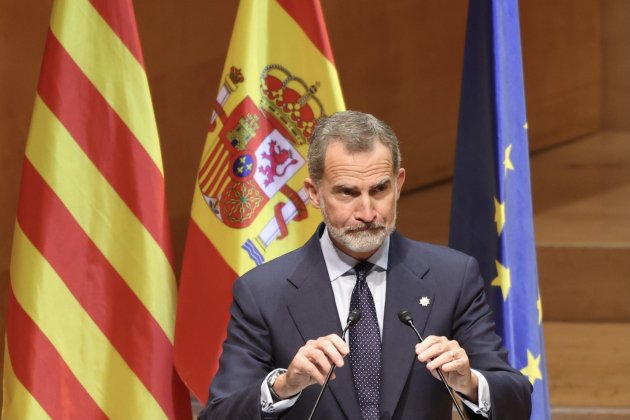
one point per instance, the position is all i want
(342, 279)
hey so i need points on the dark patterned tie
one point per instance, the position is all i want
(365, 346)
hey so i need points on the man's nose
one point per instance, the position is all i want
(365, 210)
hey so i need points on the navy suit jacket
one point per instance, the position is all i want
(280, 305)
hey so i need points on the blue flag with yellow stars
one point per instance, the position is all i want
(491, 216)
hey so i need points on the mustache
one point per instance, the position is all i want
(366, 227)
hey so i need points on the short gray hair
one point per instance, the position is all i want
(356, 131)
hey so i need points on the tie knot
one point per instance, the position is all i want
(362, 269)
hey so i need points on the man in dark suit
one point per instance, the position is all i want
(288, 314)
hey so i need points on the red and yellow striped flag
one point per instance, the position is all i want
(92, 296)
(249, 203)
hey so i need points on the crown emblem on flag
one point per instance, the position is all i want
(291, 101)
(234, 78)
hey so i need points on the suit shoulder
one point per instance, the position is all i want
(273, 270)
(433, 252)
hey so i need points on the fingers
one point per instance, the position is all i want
(434, 347)
(439, 352)
(334, 348)
(313, 360)
(452, 360)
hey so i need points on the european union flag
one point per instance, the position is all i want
(491, 215)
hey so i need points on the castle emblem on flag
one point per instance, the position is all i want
(255, 153)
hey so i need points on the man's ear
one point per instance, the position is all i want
(311, 189)
(400, 180)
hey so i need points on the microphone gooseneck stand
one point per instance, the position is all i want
(406, 318)
(353, 317)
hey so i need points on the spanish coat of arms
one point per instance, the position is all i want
(256, 154)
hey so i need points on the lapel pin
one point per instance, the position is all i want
(425, 301)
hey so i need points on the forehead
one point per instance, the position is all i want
(370, 165)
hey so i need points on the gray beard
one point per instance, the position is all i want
(364, 237)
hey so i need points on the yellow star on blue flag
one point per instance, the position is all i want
(502, 279)
(499, 215)
(507, 161)
(532, 370)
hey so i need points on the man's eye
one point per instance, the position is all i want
(347, 192)
(379, 189)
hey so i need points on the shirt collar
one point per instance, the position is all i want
(339, 263)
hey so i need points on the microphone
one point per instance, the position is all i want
(353, 317)
(406, 318)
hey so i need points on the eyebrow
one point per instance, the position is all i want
(379, 185)
(343, 187)
(382, 183)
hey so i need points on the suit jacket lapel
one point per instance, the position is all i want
(312, 306)
(405, 287)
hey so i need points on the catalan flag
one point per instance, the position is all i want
(249, 202)
(491, 215)
(91, 301)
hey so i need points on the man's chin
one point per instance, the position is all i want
(362, 243)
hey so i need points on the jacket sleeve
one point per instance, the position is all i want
(474, 329)
(245, 361)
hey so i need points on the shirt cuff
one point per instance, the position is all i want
(483, 396)
(267, 405)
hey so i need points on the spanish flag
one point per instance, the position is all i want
(249, 203)
(91, 301)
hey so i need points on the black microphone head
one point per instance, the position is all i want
(354, 316)
(405, 317)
